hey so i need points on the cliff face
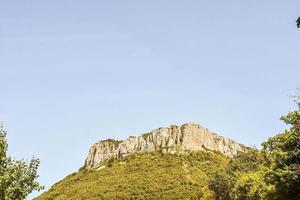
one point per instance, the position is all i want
(175, 139)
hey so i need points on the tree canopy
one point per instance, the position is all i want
(270, 174)
(17, 177)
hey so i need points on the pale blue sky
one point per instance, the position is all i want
(74, 72)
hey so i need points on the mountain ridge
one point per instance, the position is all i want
(189, 137)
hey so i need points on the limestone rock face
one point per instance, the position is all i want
(175, 139)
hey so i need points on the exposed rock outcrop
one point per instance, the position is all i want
(175, 139)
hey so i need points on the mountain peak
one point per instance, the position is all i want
(188, 137)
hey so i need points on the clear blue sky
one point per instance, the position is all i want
(74, 72)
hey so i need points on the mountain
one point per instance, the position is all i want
(174, 139)
(167, 163)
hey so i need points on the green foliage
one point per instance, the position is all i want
(17, 177)
(270, 174)
(112, 141)
(110, 162)
(221, 186)
(282, 154)
(252, 186)
(224, 182)
(144, 176)
(246, 161)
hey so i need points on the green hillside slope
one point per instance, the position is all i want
(143, 176)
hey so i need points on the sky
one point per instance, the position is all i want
(75, 72)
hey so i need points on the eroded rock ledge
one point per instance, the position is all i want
(174, 139)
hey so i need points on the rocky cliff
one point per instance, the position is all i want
(175, 139)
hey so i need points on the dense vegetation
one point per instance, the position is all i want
(273, 173)
(17, 177)
(144, 176)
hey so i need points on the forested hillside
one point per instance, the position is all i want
(270, 173)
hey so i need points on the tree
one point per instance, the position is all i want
(272, 173)
(252, 186)
(278, 176)
(282, 154)
(221, 186)
(17, 177)
(240, 172)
